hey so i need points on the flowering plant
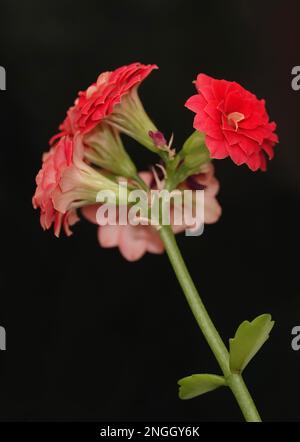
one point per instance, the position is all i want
(87, 168)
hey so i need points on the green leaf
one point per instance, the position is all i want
(197, 384)
(248, 339)
(194, 152)
(193, 142)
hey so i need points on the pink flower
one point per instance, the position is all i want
(55, 162)
(98, 101)
(135, 241)
(66, 182)
(206, 180)
(234, 121)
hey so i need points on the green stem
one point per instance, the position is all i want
(234, 381)
(243, 397)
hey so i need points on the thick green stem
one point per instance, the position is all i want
(234, 381)
(243, 397)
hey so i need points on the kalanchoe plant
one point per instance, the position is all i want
(88, 155)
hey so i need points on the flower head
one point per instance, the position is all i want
(235, 122)
(65, 182)
(55, 162)
(108, 99)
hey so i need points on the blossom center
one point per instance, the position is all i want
(234, 118)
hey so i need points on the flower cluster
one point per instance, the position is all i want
(135, 241)
(90, 129)
(87, 155)
(234, 121)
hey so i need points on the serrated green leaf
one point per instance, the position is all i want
(197, 384)
(248, 339)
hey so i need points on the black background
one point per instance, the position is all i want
(89, 335)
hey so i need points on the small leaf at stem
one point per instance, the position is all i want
(191, 157)
(248, 339)
(197, 384)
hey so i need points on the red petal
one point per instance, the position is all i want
(212, 110)
(220, 88)
(203, 80)
(195, 103)
(237, 155)
(217, 148)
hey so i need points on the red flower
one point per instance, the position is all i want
(234, 121)
(55, 162)
(99, 100)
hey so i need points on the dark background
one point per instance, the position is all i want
(89, 335)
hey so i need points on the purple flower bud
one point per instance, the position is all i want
(158, 138)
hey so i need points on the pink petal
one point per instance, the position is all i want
(109, 235)
(147, 177)
(154, 243)
(212, 209)
(89, 212)
(132, 242)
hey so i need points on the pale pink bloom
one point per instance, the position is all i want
(207, 181)
(135, 241)
(55, 163)
(65, 183)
